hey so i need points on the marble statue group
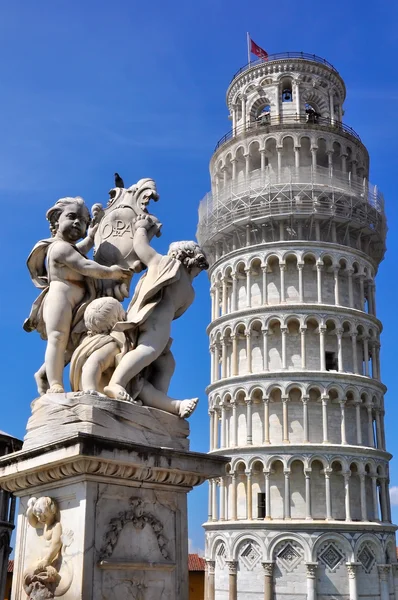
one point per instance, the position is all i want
(116, 353)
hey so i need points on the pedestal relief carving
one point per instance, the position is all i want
(139, 518)
(50, 574)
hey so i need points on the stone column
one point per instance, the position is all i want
(224, 361)
(234, 358)
(234, 107)
(249, 498)
(358, 422)
(343, 426)
(279, 150)
(223, 425)
(216, 362)
(347, 476)
(284, 357)
(336, 286)
(224, 301)
(354, 352)
(212, 312)
(366, 355)
(344, 163)
(221, 488)
(361, 291)
(311, 580)
(352, 580)
(234, 292)
(211, 592)
(331, 111)
(210, 501)
(233, 583)
(233, 162)
(243, 111)
(370, 425)
(249, 350)
(212, 363)
(322, 332)
(247, 166)
(262, 160)
(211, 414)
(297, 95)
(286, 507)
(265, 349)
(319, 268)
(375, 499)
(325, 400)
(305, 400)
(265, 286)
(313, 155)
(364, 514)
(248, 287)
(285, 419)
(217, 301)
(268, 567)
(214, 511)
(249, 423)
(267, 496)
(234, 440)
(383, 494)
(350, 288)
(384, 578)
(266, 420)
(339, 333)
(297, 157)
(234, 512)
(303, 331)
(215, 422)
(379, 444)
(282, 268)
(300, 267)
(308, 495)
(328, 494)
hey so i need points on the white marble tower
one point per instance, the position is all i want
(294, 232)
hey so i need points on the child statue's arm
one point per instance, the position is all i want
(85, 245)
(141, 244)
(65, 254)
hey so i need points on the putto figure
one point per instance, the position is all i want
(163, 294)
(51, 573)
(59, 267)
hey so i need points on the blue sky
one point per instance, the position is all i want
(139, 87)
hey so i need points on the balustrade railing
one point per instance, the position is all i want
(284, 56)
(268, 122)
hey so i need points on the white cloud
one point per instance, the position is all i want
(194, 550)
(394, 495)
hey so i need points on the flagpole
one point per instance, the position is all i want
(248, 47)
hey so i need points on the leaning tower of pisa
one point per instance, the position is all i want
(294, 232)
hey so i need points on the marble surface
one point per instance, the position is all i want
(57, 416)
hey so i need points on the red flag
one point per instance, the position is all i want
(254, 49)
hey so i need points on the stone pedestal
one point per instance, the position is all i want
(122, 507)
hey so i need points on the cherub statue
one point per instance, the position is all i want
(95, 359)
(163, 294)
(43, 578)
(59, 267)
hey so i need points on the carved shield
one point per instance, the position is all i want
(114, 239)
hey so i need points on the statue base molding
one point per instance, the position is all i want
(123, 511)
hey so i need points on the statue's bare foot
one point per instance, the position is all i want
(187, 407)
(56, 389)
(117, 392)
(41, 382)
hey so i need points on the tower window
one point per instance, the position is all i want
(261, 505)
(330, 361)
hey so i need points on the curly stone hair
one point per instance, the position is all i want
(102, 314)
(189, 253)
(55, 211)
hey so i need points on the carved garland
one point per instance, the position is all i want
(139, 519)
